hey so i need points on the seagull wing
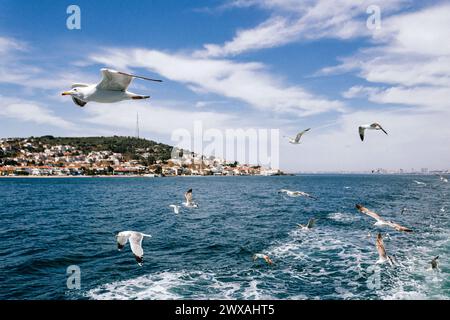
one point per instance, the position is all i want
(310, 223)
(380, 247)
(118, 81)
(188, 196)
(381, 128)
(121, 241)
(136, 246)
(361, 133)
(114, 80)
(299, 135)
(398, 227)
(369, 213)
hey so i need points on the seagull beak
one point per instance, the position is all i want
(65, 93)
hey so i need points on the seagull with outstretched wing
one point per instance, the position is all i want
(309, 225)
(381, 221)
(189, 201)
(112, 88)
(296, 139)
(373, 126)
(383, 257)
(135, 239)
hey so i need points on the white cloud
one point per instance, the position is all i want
(158, 117)
(26, 111)
(295, 21)
(248, 82)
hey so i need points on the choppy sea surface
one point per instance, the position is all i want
(47, 225)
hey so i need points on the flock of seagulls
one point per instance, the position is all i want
(361, 129)
(114, 88)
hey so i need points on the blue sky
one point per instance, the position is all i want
(281, 64)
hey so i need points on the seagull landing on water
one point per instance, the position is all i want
(443, 179)
(308, 226)
(296, 139)
(294, 194)
(373, 126)
(112, 88)
(265, 257)
(380, 221)
(135, 239)
(189, 202)
(383, 257)
(176, 209)
(434, 263)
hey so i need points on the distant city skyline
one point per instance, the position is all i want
(240, 64)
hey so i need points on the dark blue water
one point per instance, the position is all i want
(47, 225)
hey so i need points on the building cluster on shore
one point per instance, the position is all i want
(34, 158)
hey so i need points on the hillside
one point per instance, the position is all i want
(146, 151)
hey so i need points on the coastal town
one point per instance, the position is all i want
(45, 157)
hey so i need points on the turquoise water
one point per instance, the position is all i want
(47, 225)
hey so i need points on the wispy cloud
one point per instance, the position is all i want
(298, 21)
(245, 81)
(30, 111)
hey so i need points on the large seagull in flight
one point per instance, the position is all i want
(112, 88)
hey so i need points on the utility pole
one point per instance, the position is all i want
(137, 125)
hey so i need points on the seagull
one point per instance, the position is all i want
(189, 202)
(176, 209)
(434, 263)
(112, 88)
(262, 256)
(296, 139)
(443, 179)
(404, 209)
(309, 225)
(373, 126)
(295, 194)
(382, 251)
(420, 183)
(380, 221)
(135, 243)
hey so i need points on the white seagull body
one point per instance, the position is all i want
(308, 226)
(420, 183)
(295, 194)
(176, 209)
(443, 179)
(189, 202)
(381, 221)
(135, 239)
(112, 88)
(373, 126)
(262, 256)
(296, 139)
(383, 257)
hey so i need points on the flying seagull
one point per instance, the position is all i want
(262, 256)
(373, 126)
(112, 88)
(434, 263)
(380, 221)
(420, 183)
(309, 225)
(296, 139)
(443, 179)
(176, 209)
(189, 202)
(135, 239)
(383, 257)
(295, 194)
